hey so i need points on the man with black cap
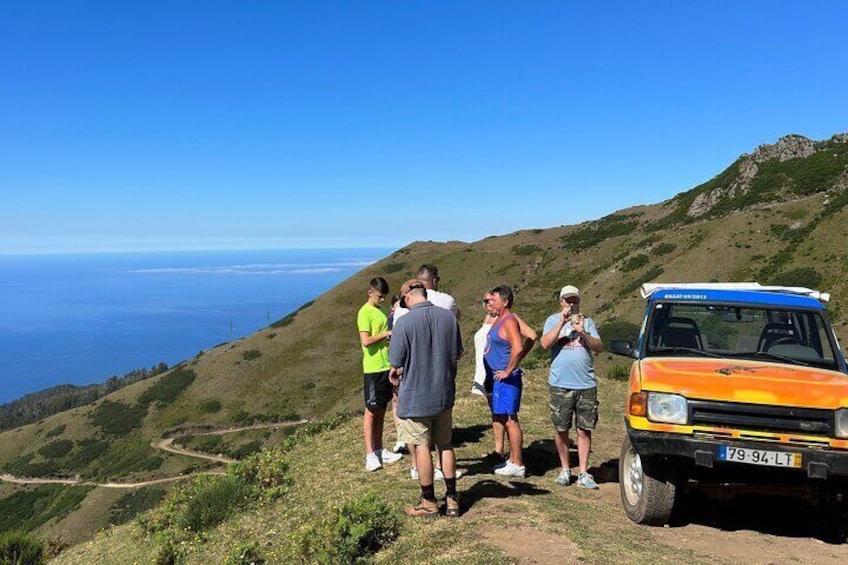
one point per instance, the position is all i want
(572, 339)
(423, 353)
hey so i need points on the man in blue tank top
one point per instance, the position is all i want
(503, 351)
(572, 339)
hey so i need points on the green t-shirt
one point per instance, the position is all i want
(375, 358)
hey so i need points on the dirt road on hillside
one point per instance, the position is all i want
(164, 445)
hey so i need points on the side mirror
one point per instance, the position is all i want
(624, 347)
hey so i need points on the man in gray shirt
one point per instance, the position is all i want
(425, 346)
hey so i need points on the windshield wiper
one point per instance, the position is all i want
(694, 350)
(767, 355)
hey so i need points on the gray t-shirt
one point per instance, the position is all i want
(426, 342)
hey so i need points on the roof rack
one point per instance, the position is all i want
(648, 289)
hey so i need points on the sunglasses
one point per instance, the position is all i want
(487, 300)
(415, 287)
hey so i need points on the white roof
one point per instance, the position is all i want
(650, 288)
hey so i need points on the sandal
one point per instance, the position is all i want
(452, 509)
(424, 508)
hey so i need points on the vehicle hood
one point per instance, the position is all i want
(753, 382)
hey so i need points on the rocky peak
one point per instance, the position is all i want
(787, 147)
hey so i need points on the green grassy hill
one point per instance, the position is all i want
(777, 215)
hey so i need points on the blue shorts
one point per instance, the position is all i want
(506, 394)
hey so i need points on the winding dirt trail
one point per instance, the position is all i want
(166, 444)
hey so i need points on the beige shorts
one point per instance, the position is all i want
(434, 430)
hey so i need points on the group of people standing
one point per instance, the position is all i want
(410, 357)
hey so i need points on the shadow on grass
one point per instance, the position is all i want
(469, 435)
(490, 488)
(767, 514)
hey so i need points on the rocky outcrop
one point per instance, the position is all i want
(787, 147)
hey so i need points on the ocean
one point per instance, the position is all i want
(80, 319)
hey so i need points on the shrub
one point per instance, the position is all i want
(210, 406)
(267, 469)
(526, 250)
(19, 548)
(618, 372)
(57, 431)
(117, 418)
(359, 528)
(56, 449)
(251, 354)
(168, 388)
(802, 276)
(213, 500)
(664, 248)
(595, 232)
(394, 267)
(283, 322)
(245, 553)
(616, 328)
(635, 263)
(134, 503)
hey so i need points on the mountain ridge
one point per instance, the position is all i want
(784, 218)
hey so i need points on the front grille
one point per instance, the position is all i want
(807, 421)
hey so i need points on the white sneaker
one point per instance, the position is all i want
(510, 470)
(479, 389)
(372, 462)
(564, 477)
(413, 473)
(399, 447)
(387, 456)
(439, 476)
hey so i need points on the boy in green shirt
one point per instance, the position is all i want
(374, 336)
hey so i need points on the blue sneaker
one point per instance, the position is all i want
(586, 480)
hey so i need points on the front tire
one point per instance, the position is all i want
(648, 488)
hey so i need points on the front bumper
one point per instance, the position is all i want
(816, 462)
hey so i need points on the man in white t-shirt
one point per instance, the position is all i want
(429, 275)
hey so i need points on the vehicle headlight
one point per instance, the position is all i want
(668, 408)
(841, 428)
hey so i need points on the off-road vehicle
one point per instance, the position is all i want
(734, 385)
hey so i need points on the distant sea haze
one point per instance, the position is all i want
(80, 319)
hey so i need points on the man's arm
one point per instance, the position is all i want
(593, 342)
(550, 337)
(528, 335)
(366, 339)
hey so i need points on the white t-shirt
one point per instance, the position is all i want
(437, 298)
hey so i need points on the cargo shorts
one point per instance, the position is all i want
(578, 405)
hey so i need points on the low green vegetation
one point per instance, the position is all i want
(251, 354)
(117, 418)
(20, 548)
(286, 320)
(134, 503)
(29, 508)
(595, 232)
(168, 388)
(350, 531)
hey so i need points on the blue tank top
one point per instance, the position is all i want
(497, 350)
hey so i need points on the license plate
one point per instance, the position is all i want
(759, 457)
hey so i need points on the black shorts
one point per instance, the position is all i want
(378, 390)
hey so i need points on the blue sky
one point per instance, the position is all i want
(207, 124)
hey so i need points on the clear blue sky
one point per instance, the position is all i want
(130, 125)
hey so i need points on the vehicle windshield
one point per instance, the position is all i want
(797, 337)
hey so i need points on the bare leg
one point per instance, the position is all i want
(561, 443)
(584, 446)
(425, 464)
(448, 462)
(372, 428)
(516, 441)
(498, 430)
